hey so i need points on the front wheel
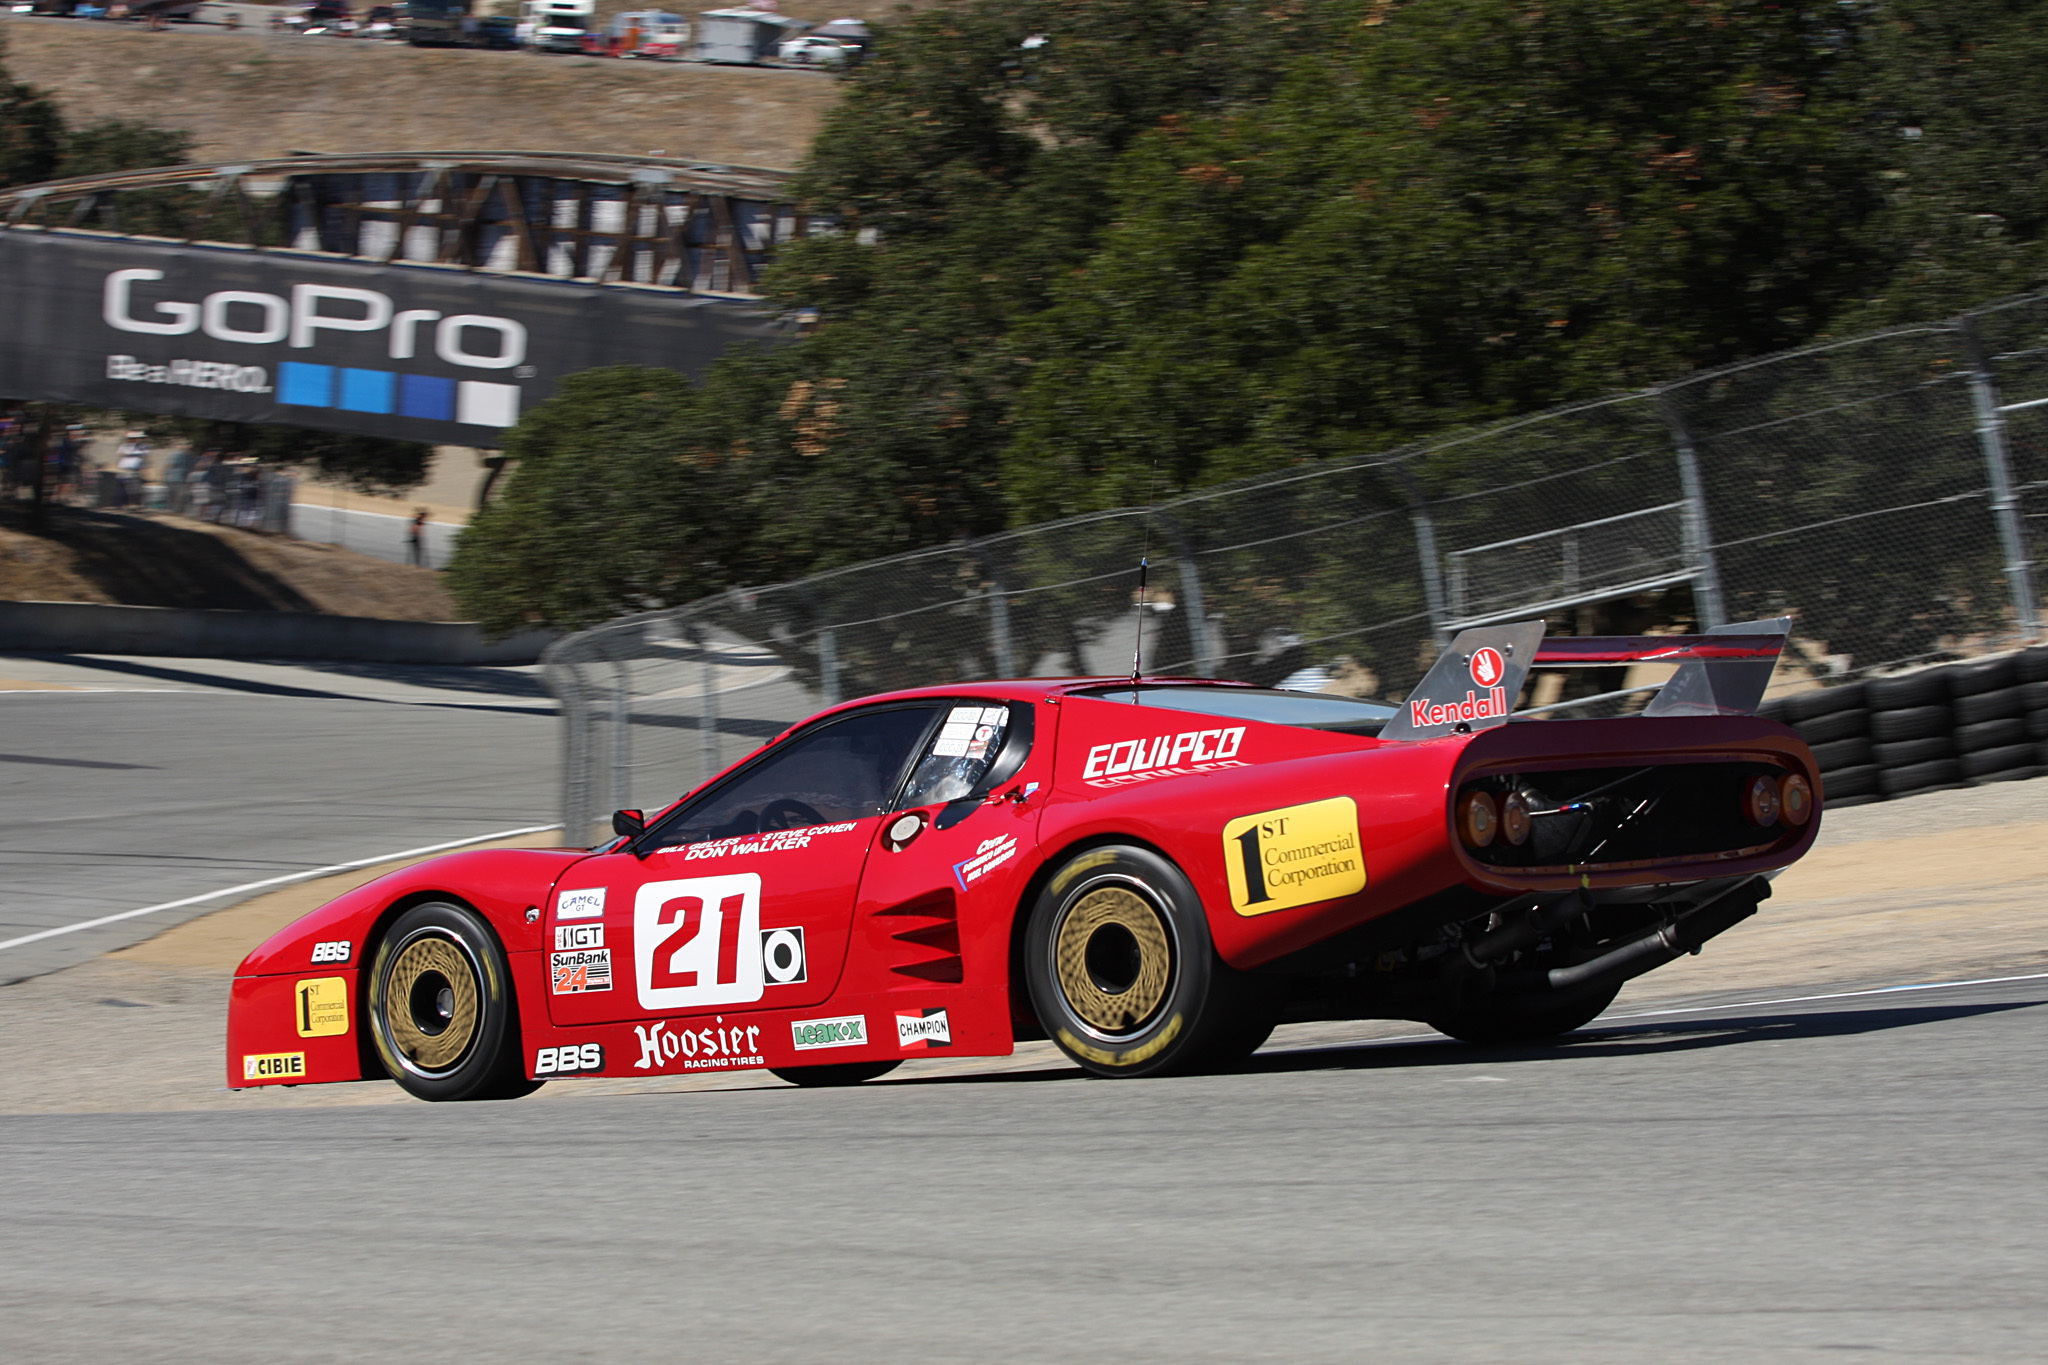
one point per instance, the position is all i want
(441, 1008)
(1122, 971)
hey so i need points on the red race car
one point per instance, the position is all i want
(1151, 874)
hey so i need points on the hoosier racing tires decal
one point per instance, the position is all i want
(1121, 968)
(441, 1009)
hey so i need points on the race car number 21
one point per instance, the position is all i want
(688, 937)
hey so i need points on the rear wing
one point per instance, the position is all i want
(1474, 684)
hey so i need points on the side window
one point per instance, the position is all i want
(845, 770)
(961, 754)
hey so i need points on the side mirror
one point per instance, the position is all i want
(628, 822)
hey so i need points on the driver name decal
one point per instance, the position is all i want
(1296, 855)
(774, 841)
(1140, 760)
(687, 941)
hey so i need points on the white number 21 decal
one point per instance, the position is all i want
(687, 937)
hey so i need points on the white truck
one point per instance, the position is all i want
(556, 25)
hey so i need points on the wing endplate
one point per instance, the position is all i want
(1473, 685)
(1722, 687)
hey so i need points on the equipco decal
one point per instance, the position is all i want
(705, 1049)
(1474, 707)
(1297, 855)
(1140, 760)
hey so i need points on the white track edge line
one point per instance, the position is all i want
(285, 880)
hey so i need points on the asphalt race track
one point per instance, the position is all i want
(198, 775)
(1856, 1178)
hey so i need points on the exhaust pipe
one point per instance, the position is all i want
(1674, 940)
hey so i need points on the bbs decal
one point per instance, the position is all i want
(337, 951)
(568, 1059)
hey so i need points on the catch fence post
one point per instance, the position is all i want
(622, 735)
(1697, 538)
(1204, 645)
(1426, 554)
(707, 708)
(566, 681)
(2005, 505)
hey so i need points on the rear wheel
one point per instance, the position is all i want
(1122, 971)
(1525, 1018)
(442, 1015)
(838, 1073)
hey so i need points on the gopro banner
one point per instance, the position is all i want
(418, 352)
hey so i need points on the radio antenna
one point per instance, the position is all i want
(1144, 567)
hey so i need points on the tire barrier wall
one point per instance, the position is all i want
(176, 632)
(1957, 725)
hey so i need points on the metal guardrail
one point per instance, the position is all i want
(1887, 491)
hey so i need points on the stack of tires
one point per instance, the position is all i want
(1962, 724)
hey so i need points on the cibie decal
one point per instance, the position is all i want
(698, 1049)
(1136, 760)
(992, 854)
(921, 1032)
(569, 1059)
(782, 956)
(850, 1031)
(321, 1007)
(686, 942)
(1487, 667)
(274, 1066)
(580, 904)
(1297, 855)
(1494, 702)
(580, 970)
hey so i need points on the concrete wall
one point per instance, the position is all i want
(175, 632)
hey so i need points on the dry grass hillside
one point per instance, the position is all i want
(259, 95)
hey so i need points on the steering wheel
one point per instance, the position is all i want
(788, 814)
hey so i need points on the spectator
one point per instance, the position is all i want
(417, 550)
(131, 461)
(176, 470)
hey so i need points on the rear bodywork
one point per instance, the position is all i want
(1329, 864)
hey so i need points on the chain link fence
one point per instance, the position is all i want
(1885, 491)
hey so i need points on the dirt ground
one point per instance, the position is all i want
(1936, 887)
(162, 561)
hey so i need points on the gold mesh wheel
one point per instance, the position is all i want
(430, 1003)
(1113, 960)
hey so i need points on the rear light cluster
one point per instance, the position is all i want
(1788, 798)
(1482, 819)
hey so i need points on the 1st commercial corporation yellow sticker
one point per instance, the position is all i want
(1298, 855)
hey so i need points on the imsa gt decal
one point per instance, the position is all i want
(1296, 855)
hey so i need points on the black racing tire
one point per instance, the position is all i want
(1801, 708)
(1985, 762)
(1122, 971)
(2023, 774)
(2037, 725)
(1981, 676)
(1493, 1020)
(2031, 665)
(1912, 722)
(1920, 777)
(441, 1009)
(2034, 697)
(1862, 799)
(1842, 782)
(1992, 734)
(1906, 752)
(1843, 753)
(1835, 726)
(1975, 710)
(1924, 688)
(837, 1073)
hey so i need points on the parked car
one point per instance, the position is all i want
(811, 50)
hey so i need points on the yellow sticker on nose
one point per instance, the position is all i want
(321, 1007)
(1297, 855)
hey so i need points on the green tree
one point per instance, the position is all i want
(31, 130)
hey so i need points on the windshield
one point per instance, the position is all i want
(1306, 710)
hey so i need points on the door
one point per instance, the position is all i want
(743, 898)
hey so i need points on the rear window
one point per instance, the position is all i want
(1304, 710)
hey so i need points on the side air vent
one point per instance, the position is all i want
(924, 938)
